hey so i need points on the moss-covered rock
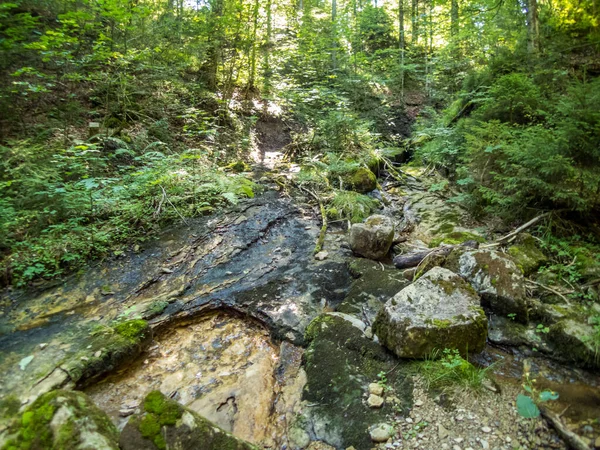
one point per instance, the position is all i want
(109, 348)
(576, 342)
(373, 238)
(62, 420)
(455, 238)
(340, 363)
(495, 277)
(360, 180)
(238, 167)
(440, 310)
(527, 255)
(164, 423)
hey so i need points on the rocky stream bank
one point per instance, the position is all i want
(227, 332)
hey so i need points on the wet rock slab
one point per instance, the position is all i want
(255, 260)
(340, 364)
(222, 367)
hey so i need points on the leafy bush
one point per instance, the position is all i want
(351, 206)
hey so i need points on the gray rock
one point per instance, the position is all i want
(439, 310)
(574, 341)
(67, 420)
(381, 432)
(164, 423)
(375, 401)
(373, 238)
(340, 363)
(495, 277)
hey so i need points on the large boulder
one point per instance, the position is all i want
(496, 278)
(373, 238)
(164, 423)
(360, 180)
(440, 310)
(340, 364)
(576, 342)
(62, 420)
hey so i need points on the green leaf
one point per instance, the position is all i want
(548, 395)
(526, 407)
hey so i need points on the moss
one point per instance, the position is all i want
(527, 254)
(160, 412)
(133, 329)
(340, 363)
(455, 238)
(33, 430)
(361, 180)
(9, 406)
(238, 167)
(444, 228)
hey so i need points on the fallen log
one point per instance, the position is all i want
(415, 258)
(570, 438)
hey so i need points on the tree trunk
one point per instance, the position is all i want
(402, 44)
(214, 50)
(454, 28)
(334, 34)
(415, 22)
(533, 27)
(267, 50)
(252, 78)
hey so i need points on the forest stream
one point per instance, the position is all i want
(228, 300)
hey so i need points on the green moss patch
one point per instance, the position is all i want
(455, 238)
(340, 363)
(79, 420)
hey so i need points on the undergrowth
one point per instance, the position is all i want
(93, 200)
(448, 371)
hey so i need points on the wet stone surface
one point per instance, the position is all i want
(222, 367)
(255, 260)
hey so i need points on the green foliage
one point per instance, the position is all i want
(91, 202)
(528, 404)
(351, 206)
(447, 370)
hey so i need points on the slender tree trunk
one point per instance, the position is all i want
(533, 27)
(214, 51)
(454, 28)
(334, 34)
(252, 79)
(267, 50)
(415, 22)
(401, 44)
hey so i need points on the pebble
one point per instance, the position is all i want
(456, 447)
(442, 432)
(43, 345)
(484, 444)
(375, 401)
(375, 389)
(98, 354)
(381, 432)
(458, 440)
(321, 256)
(597, 443)
(419, 402)
(486, 429)
(409, 420)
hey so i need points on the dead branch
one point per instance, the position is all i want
(570, 438)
